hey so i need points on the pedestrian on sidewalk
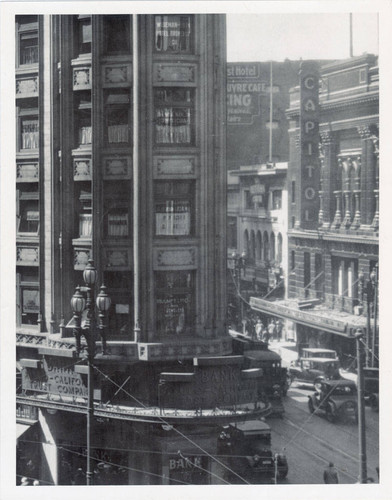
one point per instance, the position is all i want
(331, 474)
(272, 329)
(259, 329)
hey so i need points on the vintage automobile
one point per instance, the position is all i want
(308, 371)
(317, 352)
(338, 399)
(246, 447)
(371, 386)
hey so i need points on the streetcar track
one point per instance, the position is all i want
(321, 458)
(320, 440)
(345, 430)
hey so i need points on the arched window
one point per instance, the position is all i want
(266, 246)
(279, 250)
(272, 245)
(246, 242)
(252, 250)
(258, 246)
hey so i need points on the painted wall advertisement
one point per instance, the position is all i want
(244, 88)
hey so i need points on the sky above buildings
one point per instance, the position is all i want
(280, 36)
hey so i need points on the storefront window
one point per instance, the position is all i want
(173, 34)
(174, 301)
(174, 115)
(174, 201)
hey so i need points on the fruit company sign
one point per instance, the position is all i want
(244, 87)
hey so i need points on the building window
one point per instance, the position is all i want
(292, 221)
(232, 232)
(174, 208)
(319, 278)
(120, 289)
(292, 191)
(345, 277)
(27, 52)
(246, 242)
(248, 199)
(259, 246)
(272, 247)
(28, 304)
(84, 34)
(174, 115)
(117, 118)
(27, 213)
(175, 297)
(279, 250)
(276, 199)
(292, 260)
(266, 247)
(252, 250)
(173, 34)
(29, 132)
(116, 205)
(117, 34)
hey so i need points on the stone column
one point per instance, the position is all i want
(367, 183)
(338, 212)
(327, 152)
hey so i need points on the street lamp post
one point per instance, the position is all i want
(361, 410)
(79, 304)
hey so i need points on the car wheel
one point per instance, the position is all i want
(310, 405)
(329, 414)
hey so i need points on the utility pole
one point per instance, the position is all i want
(361, 409)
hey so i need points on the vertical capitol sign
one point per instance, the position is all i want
(309, 140)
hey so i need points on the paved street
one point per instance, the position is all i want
(310, 442)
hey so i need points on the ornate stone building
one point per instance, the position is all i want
(333, 207)
(121, 159)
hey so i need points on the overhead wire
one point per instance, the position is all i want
(174, 428)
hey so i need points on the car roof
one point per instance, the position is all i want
(252, 427)
(342, 381)
(321, 360)
(262, 355)
(316, 349)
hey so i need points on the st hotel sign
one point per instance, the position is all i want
(309, 141)
(244, 88)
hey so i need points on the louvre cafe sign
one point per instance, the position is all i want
(244, 88)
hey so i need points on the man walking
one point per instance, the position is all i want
(331, 474)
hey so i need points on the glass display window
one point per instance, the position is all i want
(173, 34)
(174, 115)
(175, 302)
(174, 208)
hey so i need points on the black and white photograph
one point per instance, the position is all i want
(191, 268)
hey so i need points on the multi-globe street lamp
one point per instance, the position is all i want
(79, 304)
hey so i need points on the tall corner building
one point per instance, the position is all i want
(120, 158)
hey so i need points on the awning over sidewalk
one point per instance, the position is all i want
(321, 317)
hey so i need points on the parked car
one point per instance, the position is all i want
(308, 371)
(317, 352)
(371, 386)
(247, 449)
(338, 399)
